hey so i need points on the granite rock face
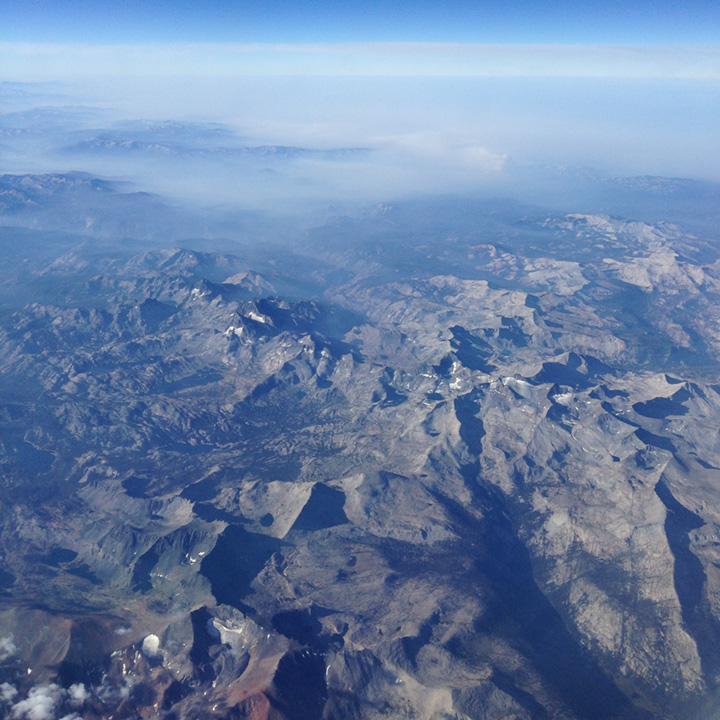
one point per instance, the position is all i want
(452, 460)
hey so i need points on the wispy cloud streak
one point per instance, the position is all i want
(22, 61)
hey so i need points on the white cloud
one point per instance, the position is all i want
(151, 646)
(78, 694)
(8, 692)
(39, 704)
(7, 648)
(448, 149)
(481, 158)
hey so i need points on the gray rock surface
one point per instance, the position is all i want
(415, 468)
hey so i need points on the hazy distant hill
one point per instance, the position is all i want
(109, 144)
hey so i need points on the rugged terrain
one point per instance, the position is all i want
(439, 459)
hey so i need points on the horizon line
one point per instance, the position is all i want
(25, 60)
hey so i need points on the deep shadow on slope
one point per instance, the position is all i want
(538, 631)
(689, 578)
(235, 561)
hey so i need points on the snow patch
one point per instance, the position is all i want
(257, 317)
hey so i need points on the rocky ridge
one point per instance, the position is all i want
(451, 470)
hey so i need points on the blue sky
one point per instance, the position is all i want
(643, 22)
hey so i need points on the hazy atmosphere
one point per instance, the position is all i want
(359, 361)
(464, 99)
